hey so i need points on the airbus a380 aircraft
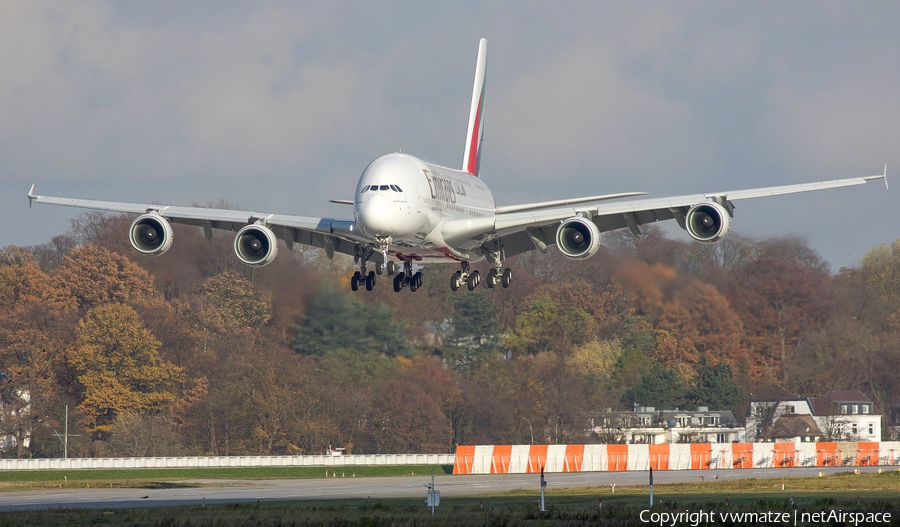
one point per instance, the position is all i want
(407, 212)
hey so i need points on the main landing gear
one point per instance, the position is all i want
(408, 278)
(472, 279)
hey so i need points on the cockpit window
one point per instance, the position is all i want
(364, 189)
(374, 187)
(385, 187)
(398, 188)
(394, 188)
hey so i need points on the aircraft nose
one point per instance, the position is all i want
(375, 216)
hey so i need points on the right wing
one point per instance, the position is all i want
(339, 235)
(523, 231)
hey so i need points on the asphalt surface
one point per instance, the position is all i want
(235, 491)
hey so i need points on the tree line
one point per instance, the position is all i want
(192, 353)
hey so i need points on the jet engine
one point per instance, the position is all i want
(256, 245)
(707, 222)
(578, 238)
(150, 234)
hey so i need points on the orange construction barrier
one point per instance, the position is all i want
(659, 456)
(617, 457)
(537, 458)
(700, 454)
(465, 456)
(742, 455)
(867, 453)
(500, 459)
(574, 458)
(827, 454)
(783, 455)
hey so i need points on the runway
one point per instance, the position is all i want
(362, 488)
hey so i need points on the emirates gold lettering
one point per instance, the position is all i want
(441, 188)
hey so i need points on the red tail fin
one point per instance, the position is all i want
(472, 154)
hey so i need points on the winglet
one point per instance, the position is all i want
(31, 195)
(879, 176)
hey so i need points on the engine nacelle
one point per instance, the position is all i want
(707, 222)
(150, 234)
(578, 238)
(256, 245)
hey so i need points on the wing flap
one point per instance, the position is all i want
(612, 216)
(317, 230)
(563, 202)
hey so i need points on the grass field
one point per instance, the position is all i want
(875, 492)
(155, 477)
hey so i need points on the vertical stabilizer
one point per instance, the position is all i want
(472, 155)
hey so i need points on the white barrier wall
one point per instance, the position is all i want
(595, 459)
(762, 455)
(889, 452)
(679, 456)
(556, 457)
(724, 458)
(228, 461)
(518, 462)
(638, 457)
(482, 462)
(806, 454)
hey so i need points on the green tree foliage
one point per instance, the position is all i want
(474, 320)
(544, 326)
(716, 388)
(662, 387)
(119, 368)
(237, 300)
(336, 320)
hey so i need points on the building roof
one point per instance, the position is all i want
(792, 425)
(827, 404)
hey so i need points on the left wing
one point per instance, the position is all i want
(524, 231)
(339, 235)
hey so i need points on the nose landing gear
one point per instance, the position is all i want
(364, 277)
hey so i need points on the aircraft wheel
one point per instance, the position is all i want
(354, 281)
(473, 281)
(391, 268)
(379, 268)
(370, 281)
(492, 278)
(398, 285)
(415, 282)
(419, 279)
(455, 280)
(506, 278)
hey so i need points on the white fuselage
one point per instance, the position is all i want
(413, 199)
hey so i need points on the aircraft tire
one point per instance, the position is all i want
(354, 281)
(398, 285)
(473, 281)
(506, 278)
(492, 278)
(455, 281)
(370, 281)
(379, 268)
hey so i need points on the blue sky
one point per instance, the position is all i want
(280, 106)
